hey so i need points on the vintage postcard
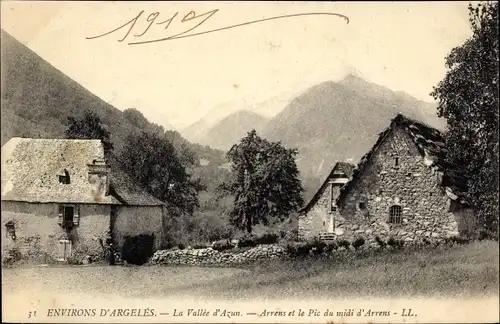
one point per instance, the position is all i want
(249, 162)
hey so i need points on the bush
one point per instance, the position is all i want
(380, 242)
(137, 249)
(344, 243)
(456, 240)
(181, 246)
(247, 240)
(222, 245)
(317, 246)
(358, 242)
(74, 261)
(397, 244)
(12, 256)
(267, 238)
(330, 247)
(298, 249)
(200, 245)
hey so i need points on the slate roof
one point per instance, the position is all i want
(430, 143)
(123, 188)
(345, 167)
(30, 170)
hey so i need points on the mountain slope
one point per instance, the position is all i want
(228, 131)
(37, 98)
(337, 121)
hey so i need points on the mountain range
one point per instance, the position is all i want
(329, 122)
(37, 100)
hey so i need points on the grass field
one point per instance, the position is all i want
(461, 271)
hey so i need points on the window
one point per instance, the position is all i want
(395, 213)
(65, 179)
(68, 216)
(362, 205)
(396, 161)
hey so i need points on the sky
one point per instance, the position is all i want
(259, 66)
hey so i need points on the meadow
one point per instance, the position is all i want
(460, 272)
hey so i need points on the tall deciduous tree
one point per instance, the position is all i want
(89, 127)
(265, 184)
(468, 99)
(153, 163)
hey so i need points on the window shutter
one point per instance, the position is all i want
(76, 216)
(61, 215)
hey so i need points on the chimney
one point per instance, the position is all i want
(99, 178)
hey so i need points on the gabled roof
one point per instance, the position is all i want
(30, 170)
(345, 167)
(430, 143)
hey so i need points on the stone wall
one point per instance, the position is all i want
(411, 184)
(209, 256)
(318, 219)
(136, 220)
(38, 232)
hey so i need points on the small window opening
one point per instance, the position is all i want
(396, 161)
(67, 216)
(11, 230)
(362, 205)
(65, 179)
(395, 214)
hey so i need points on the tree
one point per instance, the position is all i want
(468, 99)
(153, 163)
(265, 183)
(89, 127)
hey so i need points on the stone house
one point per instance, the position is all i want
(402, 188)
(59, 198)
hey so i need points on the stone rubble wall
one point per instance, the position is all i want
(209, 256)
(412, 185)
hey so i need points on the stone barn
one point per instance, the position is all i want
(402, 188)
(59, 200)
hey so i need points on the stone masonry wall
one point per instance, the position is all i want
(135, 220)
(38, 233)
(411, 185)
(318, 219)
(209, 256)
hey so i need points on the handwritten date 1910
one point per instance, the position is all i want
(153, 19)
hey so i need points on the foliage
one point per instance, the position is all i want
(89, 127)
(12, 256)
(137, 249)
(153, 163)
(468, 99)
(358, 242)
(330, 247)
(74, 261)
(250, 240)
(395, 243)
(267, 238)
(380, 242)
(201, 245)
(265, 185)
(247, 240)
(344, 243)
(222, 245)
